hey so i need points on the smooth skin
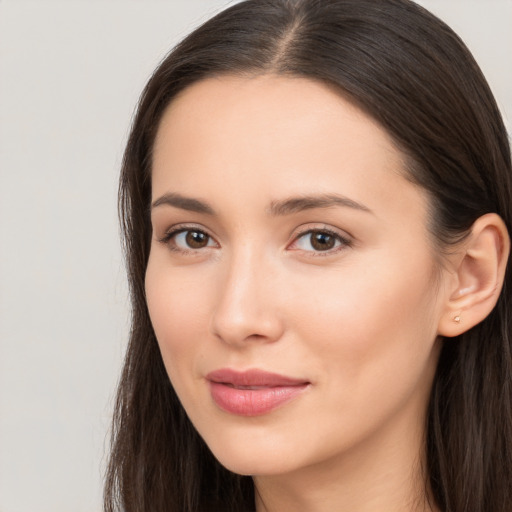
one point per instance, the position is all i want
(344, 290)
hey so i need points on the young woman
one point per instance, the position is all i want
(316, 200)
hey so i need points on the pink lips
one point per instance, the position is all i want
(253, 392)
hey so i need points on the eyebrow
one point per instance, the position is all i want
(308, 202)
(184, 203)
(277, 208)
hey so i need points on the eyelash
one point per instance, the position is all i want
(343, 241)
(170, 235)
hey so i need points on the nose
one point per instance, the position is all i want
(247, 308)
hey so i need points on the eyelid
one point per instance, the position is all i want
(345, 239)
(176, 229)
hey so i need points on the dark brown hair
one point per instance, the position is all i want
(409, 71)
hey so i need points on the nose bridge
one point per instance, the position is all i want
(245, 309)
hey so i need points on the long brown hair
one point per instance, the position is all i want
(409, 71)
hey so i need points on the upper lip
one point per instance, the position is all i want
(252, 377)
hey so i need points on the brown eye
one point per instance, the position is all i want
(321, 241)
(196, 239)
(188, 239)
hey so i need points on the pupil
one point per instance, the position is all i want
(322, 241)
(196, 239)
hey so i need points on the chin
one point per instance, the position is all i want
(251, 454)
(254, 466)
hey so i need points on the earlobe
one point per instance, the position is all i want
(480, 270)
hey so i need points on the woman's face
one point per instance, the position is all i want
(292, 283)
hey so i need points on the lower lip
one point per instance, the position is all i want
(253, 402)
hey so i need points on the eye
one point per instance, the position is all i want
(319, 240)
(186, 239)
(192, 239)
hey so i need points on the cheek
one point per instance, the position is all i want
(178, 308)
(368, 337)
(364, 322)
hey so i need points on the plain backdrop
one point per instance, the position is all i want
(70, 75)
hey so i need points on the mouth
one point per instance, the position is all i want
(253, 392)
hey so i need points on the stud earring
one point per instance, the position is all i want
(456, 319)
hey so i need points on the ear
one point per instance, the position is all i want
(478, 279)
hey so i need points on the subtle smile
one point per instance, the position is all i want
(253, 392)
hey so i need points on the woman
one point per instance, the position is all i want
(316, 201)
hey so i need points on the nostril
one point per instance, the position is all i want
(259, 327)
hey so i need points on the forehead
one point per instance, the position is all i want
(272, 136)
(265, 105)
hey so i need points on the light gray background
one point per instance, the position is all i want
(70, 75)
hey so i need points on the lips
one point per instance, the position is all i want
(253, 392)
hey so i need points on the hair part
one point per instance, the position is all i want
(409, 71)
